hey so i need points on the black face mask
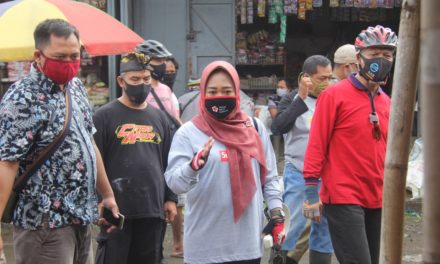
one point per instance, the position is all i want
(169, 79)
(376, 69)
(220, 106)
(137, 94)
(158, 72)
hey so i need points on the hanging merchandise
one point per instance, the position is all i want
(290, 7)
(283, 27)
(389, 3)
(334, 3)
(276, 10)
(243, 11)
(302, 9)
(366, 3)
(309, 4)
(347, 3)
(250, 11)
(258, 48)
(373, 4)
(357, 3)
(272, 18)
(381, 3)
(317, 3)
(279, 10)
(261, 8)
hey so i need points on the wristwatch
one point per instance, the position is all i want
(277, 213)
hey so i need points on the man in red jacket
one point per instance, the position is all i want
(347, 148)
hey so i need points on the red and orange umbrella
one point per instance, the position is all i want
(100, 33)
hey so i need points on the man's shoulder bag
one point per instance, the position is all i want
(41, 157)
(174, 124)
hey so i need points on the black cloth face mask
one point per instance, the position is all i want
(220, 106)
(169, 79)
(376, 69)
(137, 94)
(158, 71)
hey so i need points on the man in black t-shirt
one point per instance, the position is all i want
(134, 140)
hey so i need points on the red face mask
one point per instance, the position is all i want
(61, 72)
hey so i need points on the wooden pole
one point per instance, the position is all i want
(430, 97)
(399, 133)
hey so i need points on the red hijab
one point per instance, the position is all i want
(239, 136)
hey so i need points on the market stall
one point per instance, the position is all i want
(100, 35)
(274, 37)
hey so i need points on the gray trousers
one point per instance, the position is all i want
(66, 245)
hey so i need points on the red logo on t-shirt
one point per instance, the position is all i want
(223, 155)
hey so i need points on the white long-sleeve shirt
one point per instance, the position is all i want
(210, 234)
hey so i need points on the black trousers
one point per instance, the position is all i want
(138, 242)
(355, 233)
(164, 230)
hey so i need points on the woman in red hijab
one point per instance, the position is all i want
(227, 167)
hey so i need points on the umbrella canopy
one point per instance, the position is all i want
(100, 33)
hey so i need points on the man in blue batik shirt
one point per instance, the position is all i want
(59, 201)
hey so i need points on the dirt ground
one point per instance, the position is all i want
(412, 243)
(413, 238)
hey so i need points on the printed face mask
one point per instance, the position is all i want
(169, 79)
(318, 87)
(59, 71)
(137, 94)
(376, 69)
(158, 71)
(220, 106)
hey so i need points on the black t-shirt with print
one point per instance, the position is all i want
(134, 145)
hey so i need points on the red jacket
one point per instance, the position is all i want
(341, 146)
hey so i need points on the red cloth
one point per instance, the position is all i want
(239, 136)
(277, 229)
(342, 149)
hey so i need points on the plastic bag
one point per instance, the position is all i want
(414, 178)
(262, 113)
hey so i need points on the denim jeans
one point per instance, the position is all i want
(293, 196)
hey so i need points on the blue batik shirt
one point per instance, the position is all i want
(62, 190)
